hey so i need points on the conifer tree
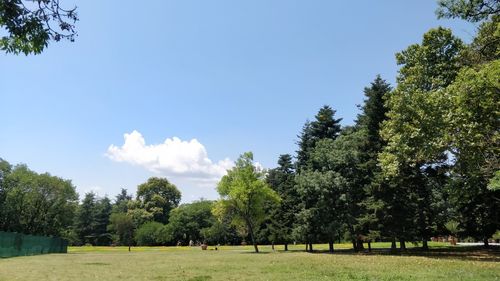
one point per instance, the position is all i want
(312, 185)
(369, 121)
(85, 219)
(282, 215)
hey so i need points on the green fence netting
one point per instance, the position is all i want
(14, 244)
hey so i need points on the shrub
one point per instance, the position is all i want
(149, 234)
(496, 236)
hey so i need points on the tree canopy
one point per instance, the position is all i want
(158, 197)
(31, 25)
(470, 10)
(243, 194)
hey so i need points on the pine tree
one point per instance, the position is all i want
(85, 219)
(102, 215)
(311, 184)
(282, 215)
(373, 113)
(325, 126)
(121, 201)
(305, 143)
(369, 121)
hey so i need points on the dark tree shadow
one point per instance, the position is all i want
(472, 253)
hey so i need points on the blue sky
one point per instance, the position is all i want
(233, 75)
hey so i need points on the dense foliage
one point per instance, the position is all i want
(35, 203)
(31, 25)
(244, 193)
(421, 160)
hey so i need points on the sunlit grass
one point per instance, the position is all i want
(240, 263)
(263, 248)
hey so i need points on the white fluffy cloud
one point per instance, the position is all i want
(173, 157)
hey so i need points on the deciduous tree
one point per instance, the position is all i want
(31, 25)
(473, 134)
(158, 197)
(471, 10)
(244, 193)
(414, 131)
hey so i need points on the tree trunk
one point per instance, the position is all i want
(272, 246)
(307, 247)
(250, 231)
(359, 245)
(354, 245)
(425, 246)
(330, 247)
(255, 247)
(486, 243)
(286, 246)
(129, 248)
(402, 244)
(310, 247)
(393, 245)
(369, 246)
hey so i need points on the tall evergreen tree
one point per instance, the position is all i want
(311, 184)
(85, 219)
(92, 220)
(305, 144)
(368, 123)
(282, 215)
(102, 215)
(121, 201)
(324, 126)
(373, 113)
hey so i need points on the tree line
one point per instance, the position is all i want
(43, 204)
(420, 160)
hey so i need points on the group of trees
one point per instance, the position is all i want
(421, 160)
(35, 203)
(42, 204)
(153, 217)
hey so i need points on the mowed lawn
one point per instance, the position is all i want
(239, 263)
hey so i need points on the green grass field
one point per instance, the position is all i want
(239, 263)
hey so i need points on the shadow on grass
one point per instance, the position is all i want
(96, 263)
(259, 253)
(473, 253)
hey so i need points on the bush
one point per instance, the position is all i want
(71, 236)
(149, 234)
(496, 236)
(453, 227)
(165, 235)
(187, 220)
(220, 233)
